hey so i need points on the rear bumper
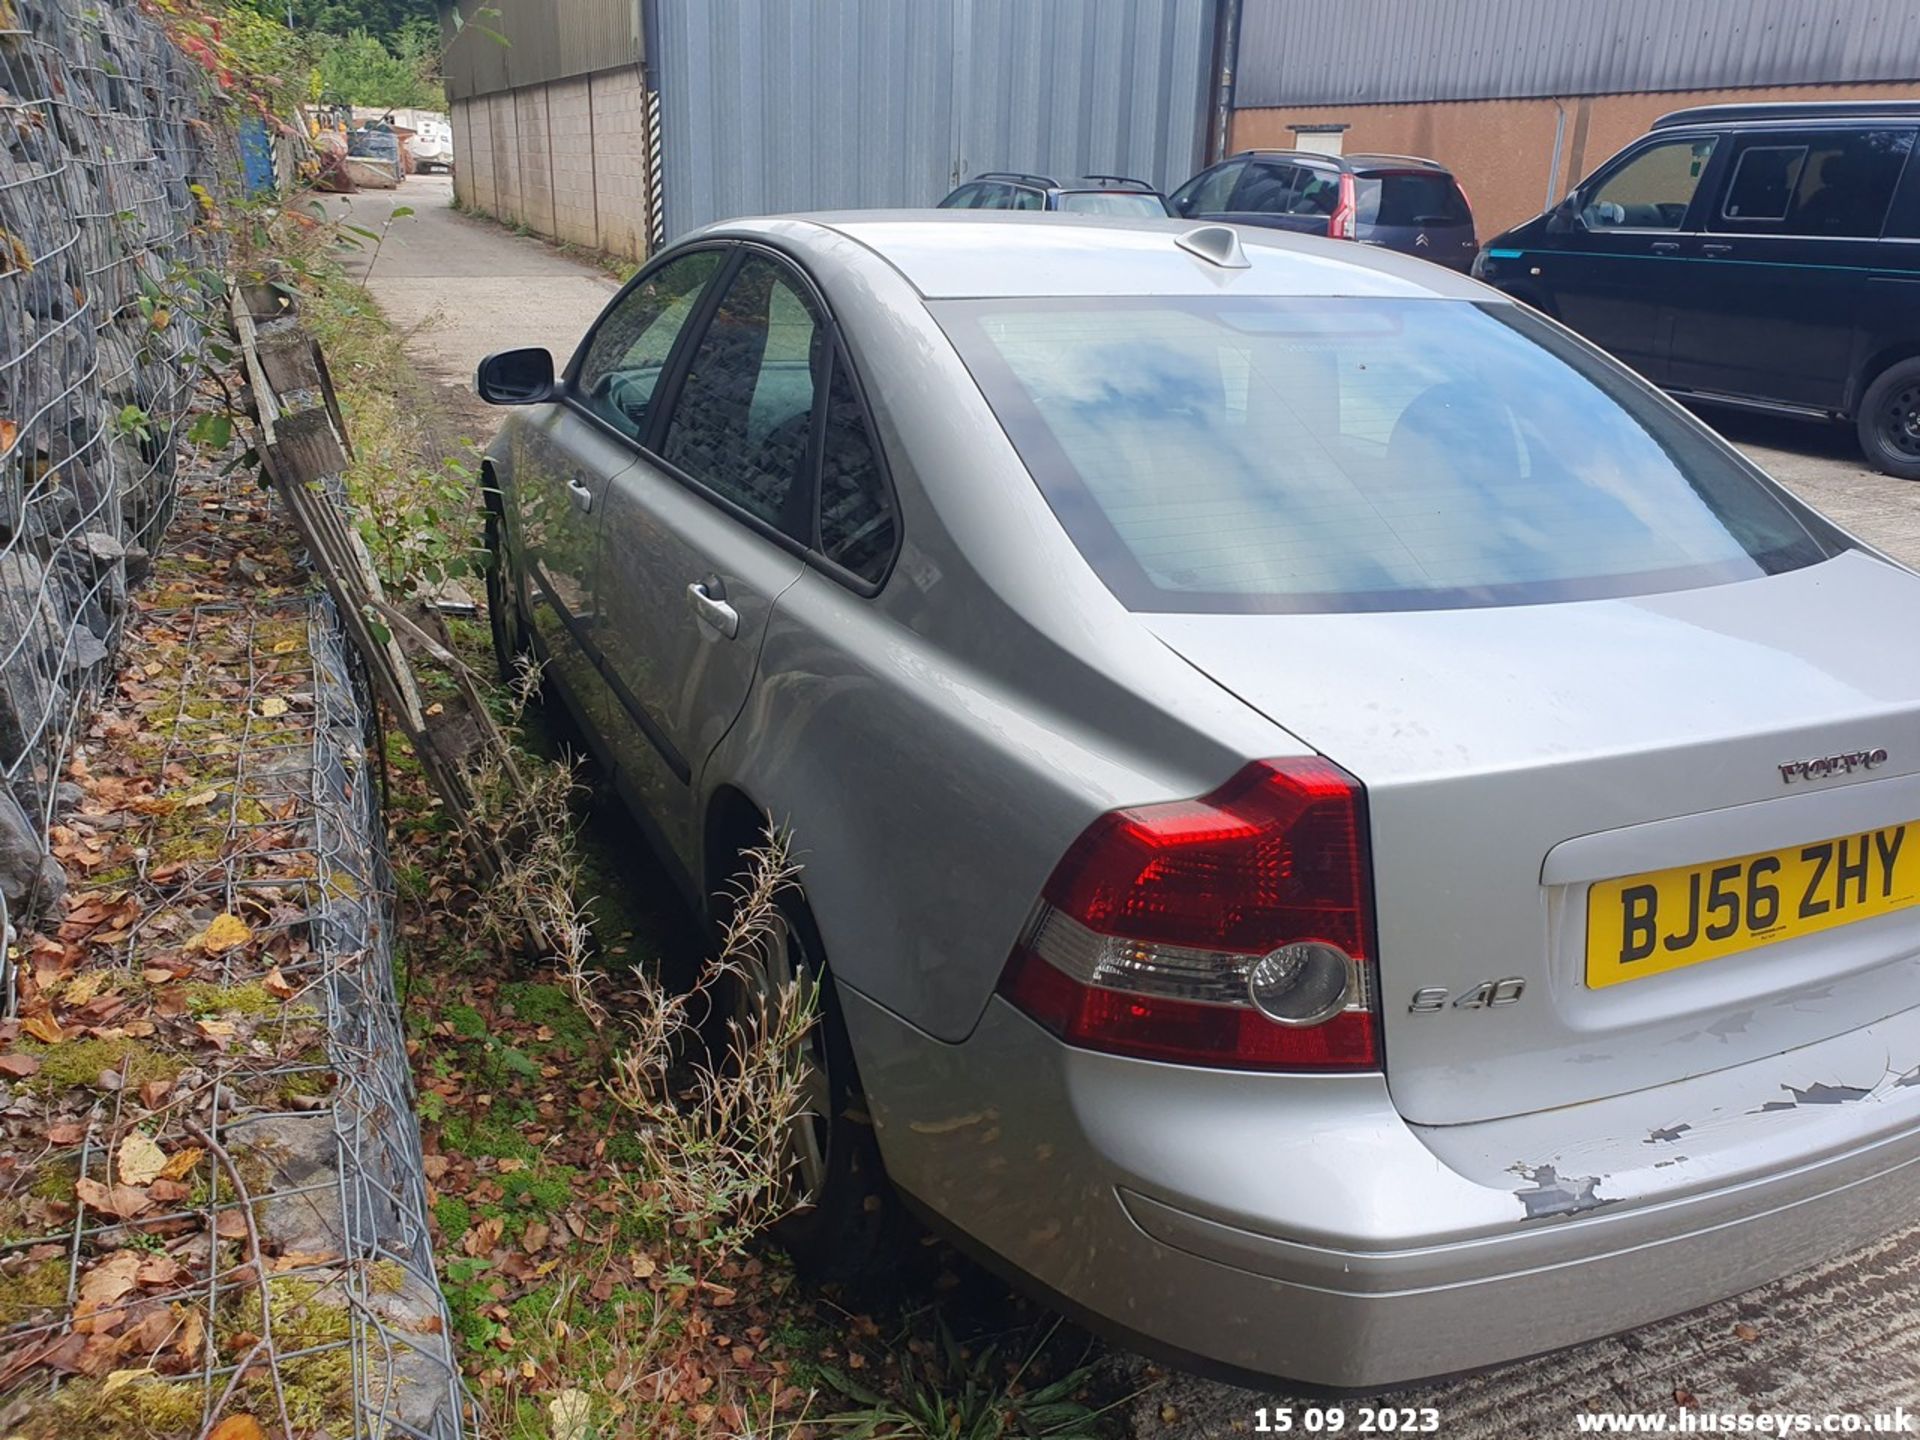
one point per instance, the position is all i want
(1296, 1226)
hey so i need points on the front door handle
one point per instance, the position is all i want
(582, 496)
(1664, 247)
(712, 611)
(1716, 249)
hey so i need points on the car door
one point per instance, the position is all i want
(1778, 274)
(563, 462)
(704, 533)
(1612, 265)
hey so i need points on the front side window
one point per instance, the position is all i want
(1208, 192)
(743, 421)
(1318, 194)
(1836, 184)
(1254, 453)
(630, 345)
(1652, 191)
(857, 522)
(967, 197)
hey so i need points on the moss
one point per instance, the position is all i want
(54, 1182)
(253, 998)
(81, 1062)
(552, 1006)
(144, 1408)
(386, 1277)
(543, 1190)
(465, 1136)
(319, 1391)
(306, 1315)
(467, 1022)
(28, 1292)
(454, 1216)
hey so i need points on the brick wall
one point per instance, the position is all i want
(568, 160)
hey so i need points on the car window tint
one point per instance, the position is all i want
(1410, 199)
(1264, 189)
(1835, 184)
(1208, 192)
(743, 421)
(1025, 199)
(965, 198)
(857, 524)
(630, 345)
(1651, 191)
(1249, 453)
(1317, 194)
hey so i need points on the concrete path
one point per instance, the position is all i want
(462, 288)
(1843, 1337)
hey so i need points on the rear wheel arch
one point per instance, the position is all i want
(1876, 365)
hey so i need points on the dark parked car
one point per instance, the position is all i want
(1757, 255)
(1397, 201)
(1089, 195)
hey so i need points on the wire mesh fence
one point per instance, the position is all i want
(107, 167)
(225, 1214)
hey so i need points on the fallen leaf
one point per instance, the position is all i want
(484, 1236)
(161, 1272)
(112, 1278)
(141, 1161)
(569, 1414)
(1744, 1331)
(510, 1165)
(193, 1334)
(181, 1165)
(44, 1027)
(18, 1067)
(9, 432)
(123, 1201)
(285, 647)
(83, 988)
(536, 1235)
(120, 1379)
(237, 1427)
(199, 798)
(67, 1132)
(273, 707)
(642, 1266)
(167, 1192)
(218, 1031)
(227, 932)
(276, 984)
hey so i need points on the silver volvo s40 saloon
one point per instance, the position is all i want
(1345, 836)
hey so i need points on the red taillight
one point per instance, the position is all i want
(1232, 930)
(1340, 225)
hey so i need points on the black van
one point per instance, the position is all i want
(1758, 255)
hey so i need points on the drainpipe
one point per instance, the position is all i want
(1553, 169)
(1226, 59)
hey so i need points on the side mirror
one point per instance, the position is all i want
(515, 377)
(1565, 218)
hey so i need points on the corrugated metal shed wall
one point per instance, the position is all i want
(505, 44)
(1308, 52)
(769, 105)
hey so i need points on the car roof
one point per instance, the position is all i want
(955, 254)
(1788, 112)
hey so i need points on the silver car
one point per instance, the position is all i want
(1348, 837)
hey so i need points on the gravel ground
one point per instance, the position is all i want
(1843, 1337)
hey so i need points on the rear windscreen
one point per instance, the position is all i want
(1415, 198)
(1113, 202)
(1253, 453)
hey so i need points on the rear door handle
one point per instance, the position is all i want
(582, 496)
(1716, 249)
(1664, 247)
(711, 610)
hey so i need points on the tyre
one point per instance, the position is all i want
(1889, 420)
(841, 1209)
(503, 602)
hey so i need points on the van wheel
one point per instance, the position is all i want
(1889, 421)
(841, 1208)
(503, 602)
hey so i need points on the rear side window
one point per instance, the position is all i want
(1025, 199)
(1410, 199)
(857, 522)
(1113, 202)
(1253, 453)
(1837, 184)
(630, 345)
(1317, 194)
(1265, 189)
(743, 423)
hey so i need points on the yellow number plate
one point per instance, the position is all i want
(1646, 924)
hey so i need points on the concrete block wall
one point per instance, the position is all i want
(568, 159)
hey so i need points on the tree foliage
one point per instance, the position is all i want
(382, 19)
(358, 69)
